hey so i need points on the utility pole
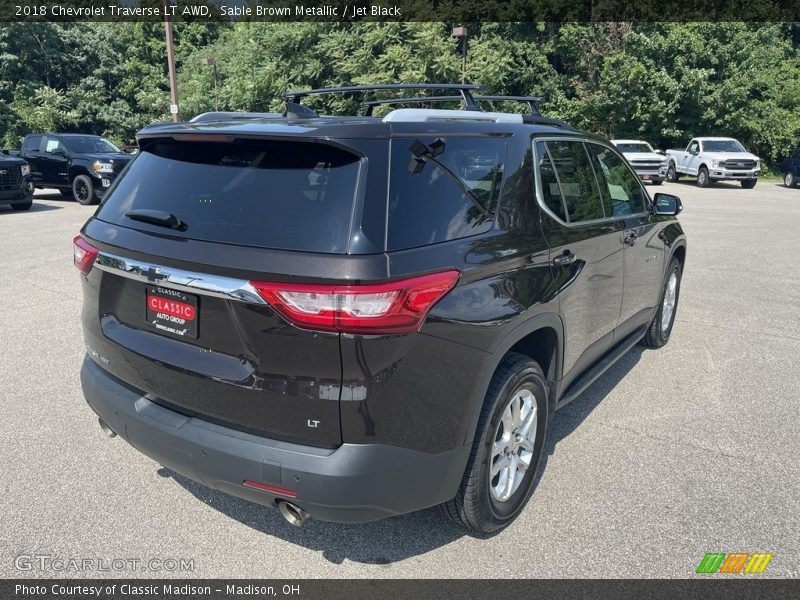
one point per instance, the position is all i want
(462, 34)
(173, 80)
(213, 63)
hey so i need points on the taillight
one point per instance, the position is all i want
(83, 254)
(394, 307)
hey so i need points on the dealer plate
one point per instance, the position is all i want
(172, 311)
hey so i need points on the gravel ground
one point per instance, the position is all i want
(672, 454)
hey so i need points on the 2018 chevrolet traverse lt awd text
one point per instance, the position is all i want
(356, 317)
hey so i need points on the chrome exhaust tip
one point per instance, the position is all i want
(106, 429)
(293, 514)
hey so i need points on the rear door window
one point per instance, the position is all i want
(272, 194)
(551, 192)
(577, 180)
(442, 189)
(32, 143)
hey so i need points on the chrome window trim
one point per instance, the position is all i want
(538, 180)
(218, 286)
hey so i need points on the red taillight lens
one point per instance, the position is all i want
(394, 307)
(83, 254)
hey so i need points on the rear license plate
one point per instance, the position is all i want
(172, 311)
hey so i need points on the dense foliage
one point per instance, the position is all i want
(663, 82)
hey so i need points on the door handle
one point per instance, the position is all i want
(631, 238)
(567, 258)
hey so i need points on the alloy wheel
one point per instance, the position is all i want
(513, 445)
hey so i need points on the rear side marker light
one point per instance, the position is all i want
(273, 489)
(394, 307)
(83, 254)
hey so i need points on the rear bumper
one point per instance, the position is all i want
(353, 483)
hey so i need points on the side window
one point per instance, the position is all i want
(551, 193)
(442, 189)
(796, 155)
(622, 194)
(32, 143)
(694, 147)
(53, 144)
(577, 181)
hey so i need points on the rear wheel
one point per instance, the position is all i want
(672, 173)
(702, 177)
(749, 184)
(661, 327)
(499, 477)
(83, 190)
(789, 180)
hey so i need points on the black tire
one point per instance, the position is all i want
(749, 184)
(23, 205)
(657, 335)
(672, 173)
(83, 190)
(657, 181)
(65, 193)
(474, 506)
(702, 178)
(789, 180)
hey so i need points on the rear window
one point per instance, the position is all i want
(446, 191)
(273, 194)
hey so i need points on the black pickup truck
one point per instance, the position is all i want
(16, 187)
(83, 166)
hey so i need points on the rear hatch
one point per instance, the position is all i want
(170, 307)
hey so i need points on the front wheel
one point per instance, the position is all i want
(83, 190)
(749, 184)
(661, 327)
(23, 205)
(789, 180)
(672, 174)
(499, 477)
(657, 181)
(702, 178)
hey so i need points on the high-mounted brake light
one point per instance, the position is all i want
(394, 307)
(83, 254)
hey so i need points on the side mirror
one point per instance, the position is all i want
(661, 152)
(667, 204)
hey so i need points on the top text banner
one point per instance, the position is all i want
(457, 11)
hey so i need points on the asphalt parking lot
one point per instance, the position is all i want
(672, 454)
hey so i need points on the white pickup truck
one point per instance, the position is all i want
(714, 159)
(648, 164)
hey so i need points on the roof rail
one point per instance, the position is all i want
(532, 101)
(464, 90)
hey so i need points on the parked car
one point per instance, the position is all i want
(790, 169)
(16, 187)
(83, 166)
(358, 317)
(648, 164)
(713, 159)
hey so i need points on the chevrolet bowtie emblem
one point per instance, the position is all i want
(154, 274)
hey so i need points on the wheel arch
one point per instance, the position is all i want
(76, 170)
(542, 338)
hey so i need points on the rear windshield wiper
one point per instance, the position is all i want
(156, 217)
